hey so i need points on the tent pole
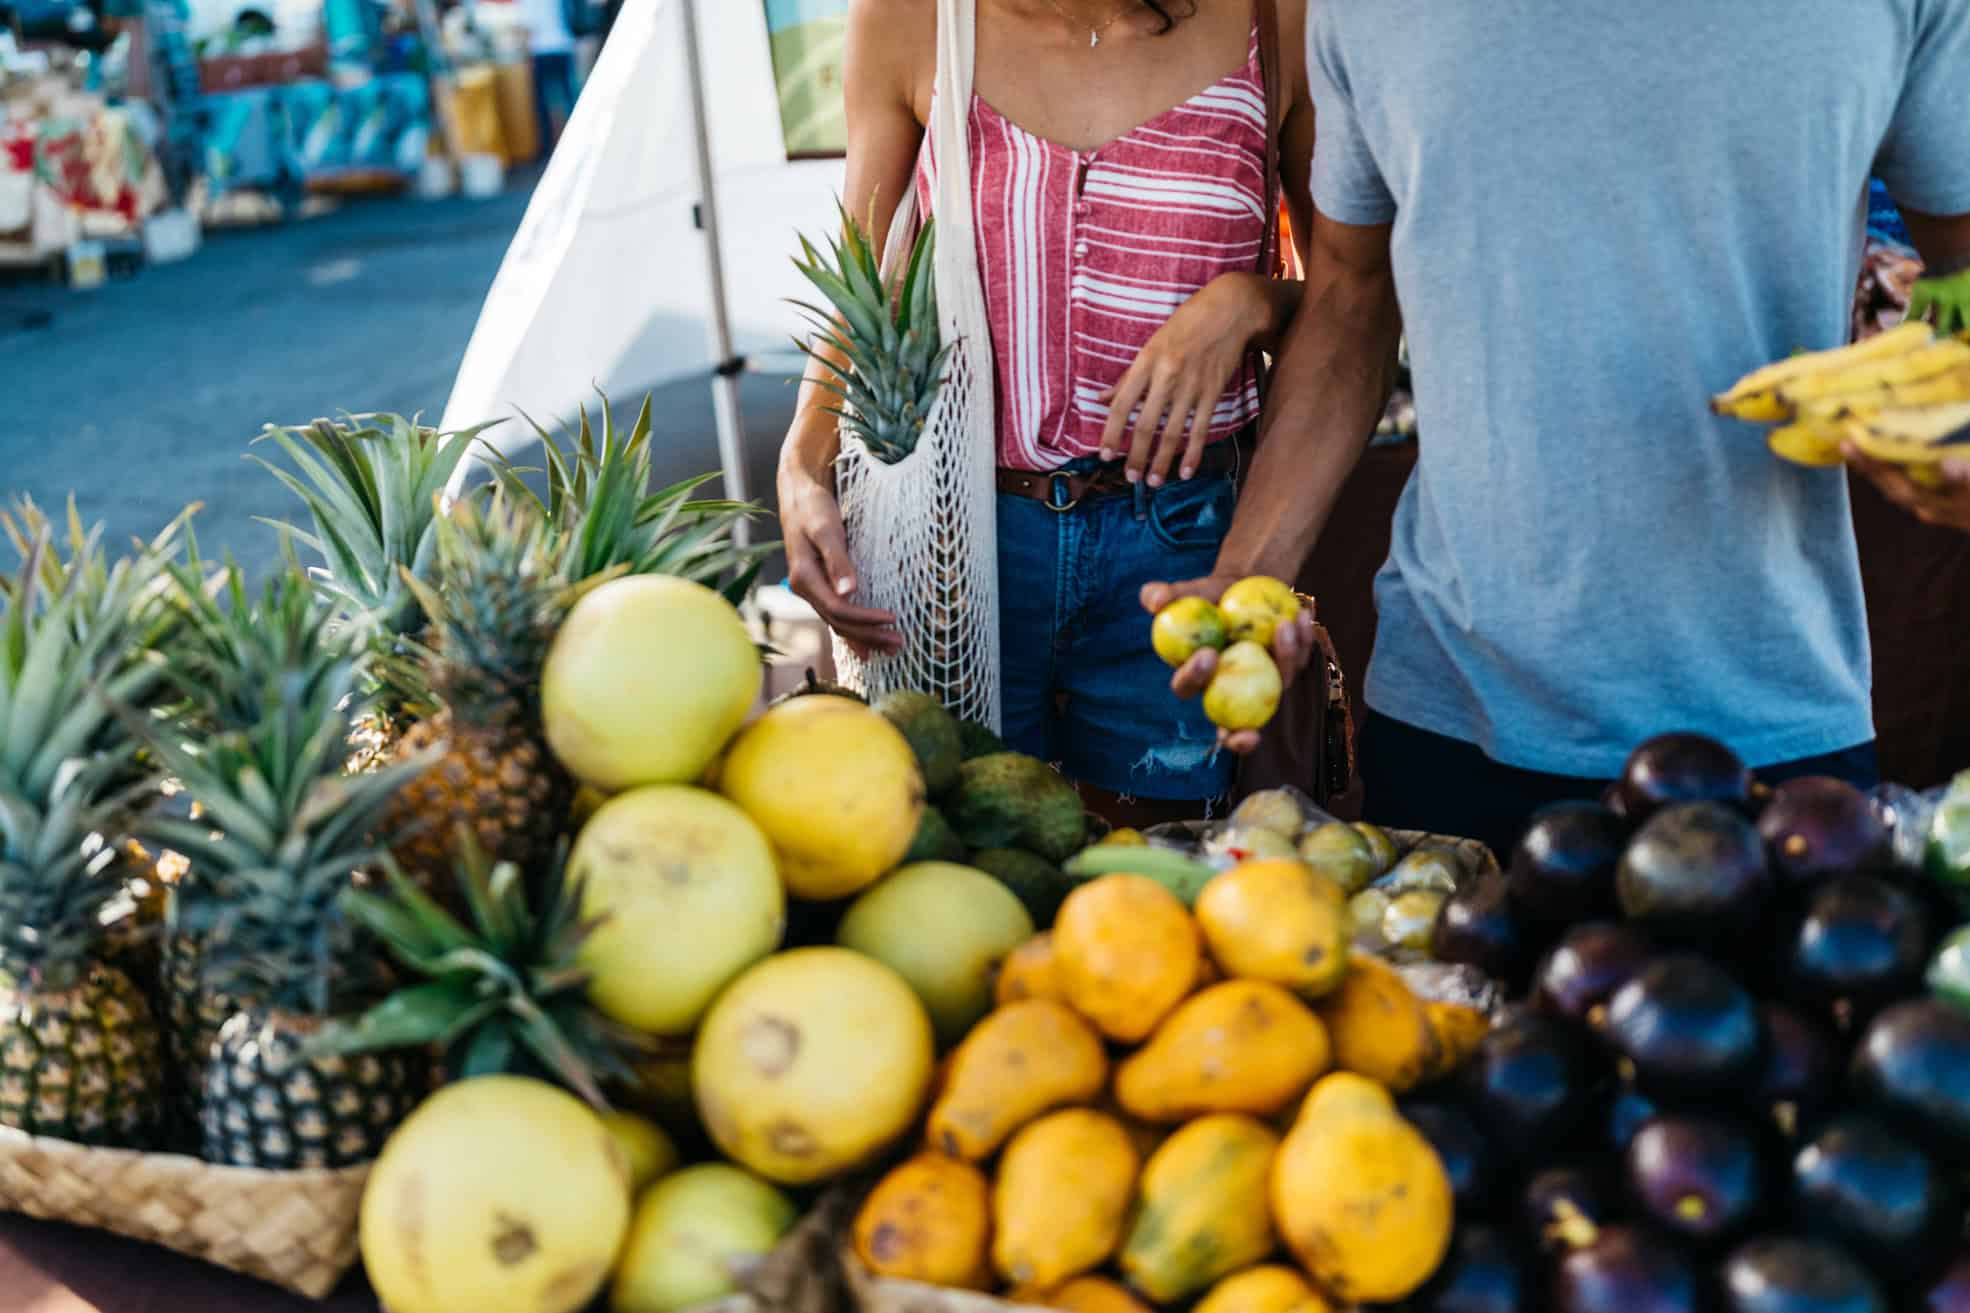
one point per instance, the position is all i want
(726, 366)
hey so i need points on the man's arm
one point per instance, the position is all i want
(1330, 385)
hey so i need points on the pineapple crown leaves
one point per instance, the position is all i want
(499, 991)
(496, 598)
(73, 641)
(234, 661)
(270, 912)
(608, 521)
(88, 569)
(890, 341)
(53, 897)
(371, 485)
(262, 752)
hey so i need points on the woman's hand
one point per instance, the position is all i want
(818, 565)
(1947, 504)
(1179, 378)
(1293, 648)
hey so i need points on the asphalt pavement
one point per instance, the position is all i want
(143, 395)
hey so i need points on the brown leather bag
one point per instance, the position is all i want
(1310, 742)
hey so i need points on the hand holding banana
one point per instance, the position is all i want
(1902, 398)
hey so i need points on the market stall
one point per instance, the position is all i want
(78, 176)
(871, 998)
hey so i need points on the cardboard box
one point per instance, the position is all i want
(519, 121)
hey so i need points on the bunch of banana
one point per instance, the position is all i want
(1901, 397)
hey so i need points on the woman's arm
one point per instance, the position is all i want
(890, 60)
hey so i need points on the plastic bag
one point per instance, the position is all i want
(1395, 887)
(1269, 823)
(1931, 830)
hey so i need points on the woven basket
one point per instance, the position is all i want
(294, 1229)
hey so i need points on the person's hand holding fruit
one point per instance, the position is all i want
(1238, 643)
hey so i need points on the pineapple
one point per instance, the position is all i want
(80, 1054)
(501, 990)
(457, 640)
(372, 486)
(193, 1015)
(495, 604)
(259, 744)
(502, 573)
(226, 651)
(883, 347)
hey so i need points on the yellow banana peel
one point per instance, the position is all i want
(1755, 396)
(1876, 376)
(1815, 444)
(1910, 437)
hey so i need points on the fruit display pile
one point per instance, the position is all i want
(464, 852)
(461, 849)
(1167, 1105)
(1727, 1087)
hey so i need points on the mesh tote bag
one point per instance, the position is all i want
(923, 532)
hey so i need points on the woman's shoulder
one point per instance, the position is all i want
(898, 34)
(901, 23)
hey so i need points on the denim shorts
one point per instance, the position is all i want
(1080, 684)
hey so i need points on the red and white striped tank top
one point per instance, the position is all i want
(1084, 254)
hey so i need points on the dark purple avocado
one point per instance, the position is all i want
(1696, 874)
(1817, 828)
(1786, 1274)
(1673, 768)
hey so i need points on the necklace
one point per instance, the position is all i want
(1094, 33)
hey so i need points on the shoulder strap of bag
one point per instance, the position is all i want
(1267, 14)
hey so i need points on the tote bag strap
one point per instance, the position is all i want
(1271, 259)
(947, 136)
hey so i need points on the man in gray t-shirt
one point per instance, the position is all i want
(1594, 215)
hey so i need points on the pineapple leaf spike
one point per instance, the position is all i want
(606, 518)
(880, 344)
(513, 1000)
(370, 484)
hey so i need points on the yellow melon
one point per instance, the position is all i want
(499, 1194)
(835, 787)
(647, 679)
(690, 897)
(811, 1063)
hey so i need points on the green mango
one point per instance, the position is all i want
(1949, 972)
(1946, 855)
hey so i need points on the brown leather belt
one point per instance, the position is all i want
(1063, 491)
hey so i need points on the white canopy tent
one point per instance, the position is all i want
(658, 242)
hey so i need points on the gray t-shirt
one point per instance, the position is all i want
(1604, 212)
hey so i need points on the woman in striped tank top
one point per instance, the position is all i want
(1119, 154)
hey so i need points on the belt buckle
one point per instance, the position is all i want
(1060, 488)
